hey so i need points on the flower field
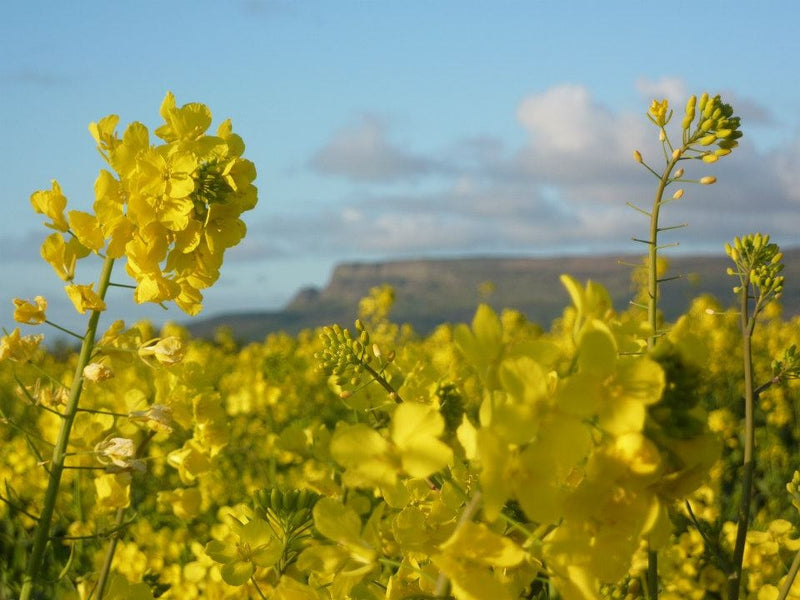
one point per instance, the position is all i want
(612, 455)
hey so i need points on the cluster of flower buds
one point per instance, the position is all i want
(289, 514)
(758, 263)
(292, 507)
(716, 125)
(346, 357)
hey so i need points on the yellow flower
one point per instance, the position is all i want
(166, 174)
(28, 312)
(658, 112)
(63, 255)
(113, 490)
(51, 203)
(223, 228)
(166, 351)
(87, 229)
(85, 298)
(186, 123)
(17, 348)
(257, 546)
(190, 460)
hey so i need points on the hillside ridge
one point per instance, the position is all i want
(429, 292)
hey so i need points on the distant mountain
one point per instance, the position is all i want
(429, 292)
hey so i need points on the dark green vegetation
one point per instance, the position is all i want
(431, 292)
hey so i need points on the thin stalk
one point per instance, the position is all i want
(748, 466)
(652, 254)
(42, 533)
(790, 576)
(652, 319)
(102, 581)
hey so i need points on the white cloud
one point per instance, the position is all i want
(564, 189)
(671, 88)
(363, 151)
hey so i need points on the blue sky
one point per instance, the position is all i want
(402, 129)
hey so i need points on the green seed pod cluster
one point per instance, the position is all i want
(758, 263)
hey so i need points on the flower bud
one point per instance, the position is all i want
(679, 173)
(708, 139)
(678, 194)
(710, 158)
(637, 156)
(708, 180)
(676, 154)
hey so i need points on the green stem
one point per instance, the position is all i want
(258, 589)
(748, 466)
(652, 254)
(102, 581)
(652, 319)
(42, 533)
(790, 576)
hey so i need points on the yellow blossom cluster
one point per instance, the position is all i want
(170, 208)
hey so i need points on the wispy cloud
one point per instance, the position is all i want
(364, 152)
(33, 77)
